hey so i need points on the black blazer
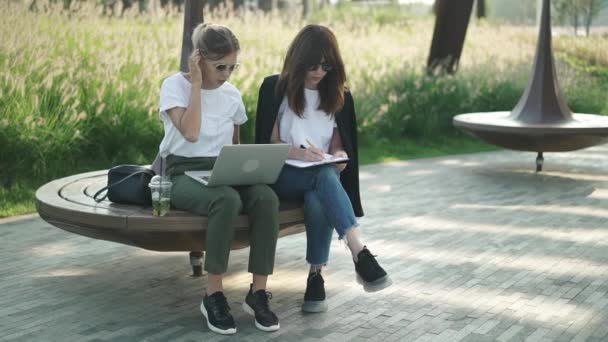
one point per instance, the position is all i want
(268, 108)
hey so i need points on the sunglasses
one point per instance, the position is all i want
(325, 66)
(224, 67)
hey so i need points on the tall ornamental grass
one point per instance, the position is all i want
(80, 92)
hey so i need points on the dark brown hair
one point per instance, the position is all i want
(311, 45)
(214, 41)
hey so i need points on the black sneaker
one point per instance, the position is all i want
(217, 312)
(256, 304)
(369, 273)
(314, 297)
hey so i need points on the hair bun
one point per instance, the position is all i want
(214, 41)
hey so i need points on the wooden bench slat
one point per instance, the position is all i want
(67, 203)
(52, 206)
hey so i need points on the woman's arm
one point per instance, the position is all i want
(188, 120)
(236, 136)
(306, 154)
(274, 137)
(337, 149)
(335, 146)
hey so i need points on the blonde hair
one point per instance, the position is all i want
(214, 41)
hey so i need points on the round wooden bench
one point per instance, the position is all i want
(67, 203)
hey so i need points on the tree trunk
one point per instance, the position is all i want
(589, 17)
(193, 15)
(265, 5)
(305, 8)
(481, 9)
(448, 37)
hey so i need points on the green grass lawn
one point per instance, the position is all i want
(17, 200)
(381, 152)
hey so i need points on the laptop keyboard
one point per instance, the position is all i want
(205, 178)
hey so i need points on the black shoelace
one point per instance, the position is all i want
(372, 262)
(316, 279)
(220, 307)
(314, 287)
(263, 300)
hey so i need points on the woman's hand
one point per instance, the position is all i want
(196, 77)
(340, 154)
(311, 154)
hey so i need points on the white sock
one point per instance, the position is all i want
(315, 269)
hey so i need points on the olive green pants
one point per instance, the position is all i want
(222, 205)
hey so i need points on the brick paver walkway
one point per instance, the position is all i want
(480, 248)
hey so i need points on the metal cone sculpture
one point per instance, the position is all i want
(541, 121)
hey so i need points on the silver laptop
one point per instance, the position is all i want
(245, 165)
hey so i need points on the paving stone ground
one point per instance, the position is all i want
(480, 248)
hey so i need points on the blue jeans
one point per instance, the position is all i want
(326, 206)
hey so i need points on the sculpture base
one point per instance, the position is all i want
(497, 128)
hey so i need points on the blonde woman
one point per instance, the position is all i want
(202, 112)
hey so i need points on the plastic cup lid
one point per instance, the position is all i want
(158, 180)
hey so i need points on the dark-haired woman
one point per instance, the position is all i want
(201, 113)
(308, 107)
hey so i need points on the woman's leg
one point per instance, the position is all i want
(334, 199)
(221, 205)
(294, 182)
(339, 210)
(259, 282)
(298, 184)
(318, 240)
(214, 283)
(262, 206)
(318, 231)
(324, 181)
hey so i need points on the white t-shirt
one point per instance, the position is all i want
(222, 108)
(314, 125)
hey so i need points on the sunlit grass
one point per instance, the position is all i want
(383, 151)
(16, 200)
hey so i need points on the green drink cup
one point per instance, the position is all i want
(160, 187)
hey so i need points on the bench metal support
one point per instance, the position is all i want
(539, 162)
(196, 261)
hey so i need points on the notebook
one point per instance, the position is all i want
(329, 159)
(244, 165)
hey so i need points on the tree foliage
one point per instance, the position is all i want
(513, 11)
(577, 12)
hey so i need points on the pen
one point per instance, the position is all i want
(311, 144)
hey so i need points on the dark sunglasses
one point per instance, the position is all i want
(325, 66)
(224, 67)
